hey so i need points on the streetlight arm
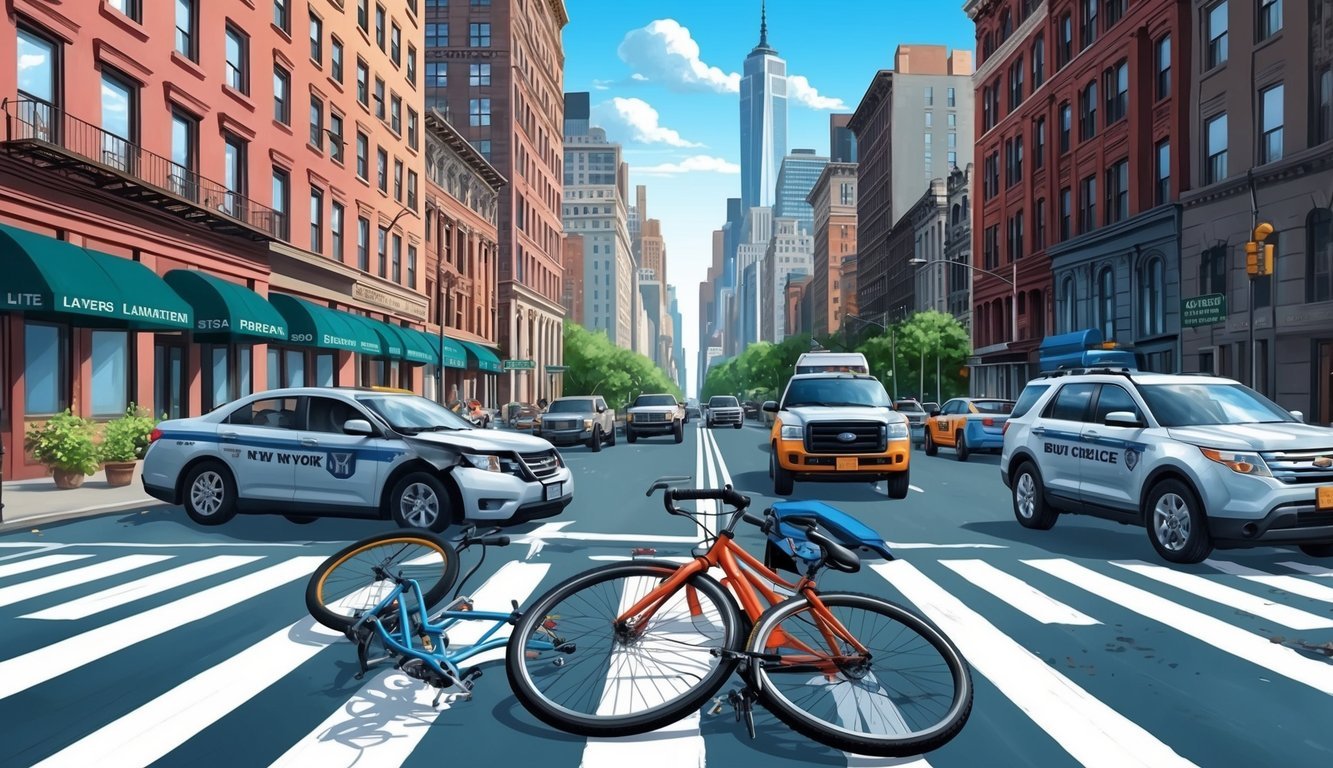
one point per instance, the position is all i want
(996, 275)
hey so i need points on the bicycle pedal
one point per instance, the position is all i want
(717, 706)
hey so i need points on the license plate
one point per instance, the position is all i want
(1324, 497)
(554, 491)
(846, 463)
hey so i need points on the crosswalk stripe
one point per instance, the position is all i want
(1090, 731)
(20, 673)
(148, 586)
(1018, 593)
(1229, 596)
(1285, 583)
(402, 716)
(66, 579)
(1219, 634)
(1313, 570)
(36, 563)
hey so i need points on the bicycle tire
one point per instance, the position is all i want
(916, 742)
(435, 581)
(536, 701)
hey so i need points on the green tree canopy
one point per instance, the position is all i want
(595, 366)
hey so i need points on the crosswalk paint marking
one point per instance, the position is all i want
(699, 453)
(73, 578)
(1219, 634)
(1229, 596)
(1090, 731)
(1285, 583)
(1312, 570)
(1018, 593)
(37, 563)
(148, 586)
(20, 673)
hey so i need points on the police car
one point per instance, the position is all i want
(329, 451)
(1202, 462)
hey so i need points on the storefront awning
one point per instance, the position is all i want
(225, 311)
(46, 276)
(448, 350)
(406, 344)
(486, 359)
(311, 325)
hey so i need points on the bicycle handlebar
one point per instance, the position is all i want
(728, 495)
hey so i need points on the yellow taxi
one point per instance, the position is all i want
(968, 424)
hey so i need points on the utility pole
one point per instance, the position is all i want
(1258, 263)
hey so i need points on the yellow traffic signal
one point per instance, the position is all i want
(1252, 259)
(1268, 260)
(1262, 231)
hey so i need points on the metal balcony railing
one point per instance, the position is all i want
(55, 139)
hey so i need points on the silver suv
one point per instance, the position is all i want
(1200, 461)
(724, 409)
(577, 419)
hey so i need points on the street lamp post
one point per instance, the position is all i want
(893, 349)
(1011, 281)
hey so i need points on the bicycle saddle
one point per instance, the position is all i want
(838, 525)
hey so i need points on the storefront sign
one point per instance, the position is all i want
(104, 307)
(24, 300)
(363, 292)
(1203, 310)
(556, 368)
(249, 326)
(519, 365)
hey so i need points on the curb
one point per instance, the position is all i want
(47, 518)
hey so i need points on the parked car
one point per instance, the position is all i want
(724, 410)
(656, 414)
(578, 419)
(522, 415)
(693, 410)
(351, 452)
(916, 417)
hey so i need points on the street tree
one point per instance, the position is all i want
(595, 366)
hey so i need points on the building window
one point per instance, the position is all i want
(395, 45)
(1066, 121)
(186, 30)
(1213, 270)
(282, 19)
(1319, 258)
(362, 150)
(1270, 125)
(1087, 212)
(412, 138)
(45, 373)
(379, 26)
(479, 35)
(1066, 212)
(316, 220)
(1322, 114)
(437, 35)
(484, 147)
(411, 266)
(396, 115)
(397, 258)
(1117, 92)
(184, 154)
(398, 180)
(1068, 308)
(336, 211)
(110, 372)
(1016, 84)
(412, 190)
(382, 169)
(1270, 18)
(238, 54)
(317, 40)
(1039, 225)
(316, 122)
(412, 65)
(336, 59)
(280, 202)
(1064, 48)
(1039, 143)
(1106, 303)
(1164, 67)
(437, 74)
(362, 15)
(380, 106)
(362, 83)
(1087, 112)
(479, 112)
(383, 252)
(951, 95)
(120, 119)
(1217, 35)
(1152, 301)
(233, 172)
(1117, 192)
(930, 96)
(1163, 187)
(363, 244)
(1215, 152)
(282, 108)
(336, 137)
(1088, 27)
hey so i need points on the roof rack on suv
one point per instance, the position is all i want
(1126, 372)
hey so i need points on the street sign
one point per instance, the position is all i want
(519, 365)
(1203, 310)
(557, 368)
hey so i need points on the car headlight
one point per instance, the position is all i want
(587, 423)
(791, 432)
(897, 431)
(629, 417)
(486, 461)
(1240, 462)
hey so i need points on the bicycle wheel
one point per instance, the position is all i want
(345, 585)
(604, 682)
(911, 695)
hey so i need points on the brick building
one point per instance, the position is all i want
(834, 202)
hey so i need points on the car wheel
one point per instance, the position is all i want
(679, 432)
(210, 494)
(1177, 525)
(899, 483)
(960, 448)
(782, 479)
(931, 448)
(612, 439)
(595, 442)
(420, 500)
(629, 435)
(737, 425)
(1030, 507)
(1317, 550)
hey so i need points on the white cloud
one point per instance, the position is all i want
(665, 52)
(800, 91)
(640, 78)
(639, 120)
(692, 164)
(601, 85)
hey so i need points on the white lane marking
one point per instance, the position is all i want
(194, 545)
(37, 563)
(16, 545)
(1090, 731)
(918, 490)
(621, 558)
(1285, 583)
(1313, 570)
(66, 579)
(20, 673)
(924, 545)
(1018, 593)
(122, 594)
(1219, 634)
(707, 508)
(1228, 596)
(385, 721)
(721, 462)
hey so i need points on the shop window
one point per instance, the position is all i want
(293, 362)
(227, 374)
(45, 369)
(110, 372)
(324, 370)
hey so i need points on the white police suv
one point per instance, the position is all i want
(1200, 461)
(331, 451)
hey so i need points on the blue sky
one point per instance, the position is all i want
(662, 78)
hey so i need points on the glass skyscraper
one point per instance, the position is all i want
(763, 121)
(797, 176)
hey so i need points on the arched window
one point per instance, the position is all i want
(1106, 303)
(1068, 307)
(1006, 25)
(1319, 255)
(1038, 61)
(1152, 304)
(955, 213)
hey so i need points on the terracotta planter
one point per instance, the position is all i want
(66, 479)
(119, 473)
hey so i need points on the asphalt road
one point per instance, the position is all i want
(140, 638)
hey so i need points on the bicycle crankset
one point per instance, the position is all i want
(742, 701)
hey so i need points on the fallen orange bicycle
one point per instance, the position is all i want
(656, 640)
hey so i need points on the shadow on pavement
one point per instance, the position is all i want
(1071, 538)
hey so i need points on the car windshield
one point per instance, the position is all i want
(411, 414)
(723, 402)
(908, 405)
(570, 406)
(1190, 405)
(836, 392)
(654, 400)
(993, 406)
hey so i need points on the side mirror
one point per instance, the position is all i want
(770, 406)
(935, 413)
(1123, 419)
(1299, 416)
(601, 409)
(358, 427)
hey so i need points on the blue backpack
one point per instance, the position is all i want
(787, 543)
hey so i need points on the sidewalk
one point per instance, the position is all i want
(34, 502)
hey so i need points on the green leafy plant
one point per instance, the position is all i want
(65, 443)
(126, 438)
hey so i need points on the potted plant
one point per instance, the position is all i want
(65, 444)
(124, 441)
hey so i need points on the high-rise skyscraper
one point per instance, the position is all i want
(763, 120)
(796, 178)
(841, 140)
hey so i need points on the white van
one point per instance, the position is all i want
(832, 362)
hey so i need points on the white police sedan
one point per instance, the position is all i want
(350, 452)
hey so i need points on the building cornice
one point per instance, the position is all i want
(439, 125)
(1017, 40)
(1311, 161)
(1134, 225)
(880, 87)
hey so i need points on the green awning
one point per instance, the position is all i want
(225, 311)
(405, 344)
(312, 325)
(450, 351)
(486, 359)
(43, 275)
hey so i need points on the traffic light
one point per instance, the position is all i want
(1252, 259)
(1258, 254)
